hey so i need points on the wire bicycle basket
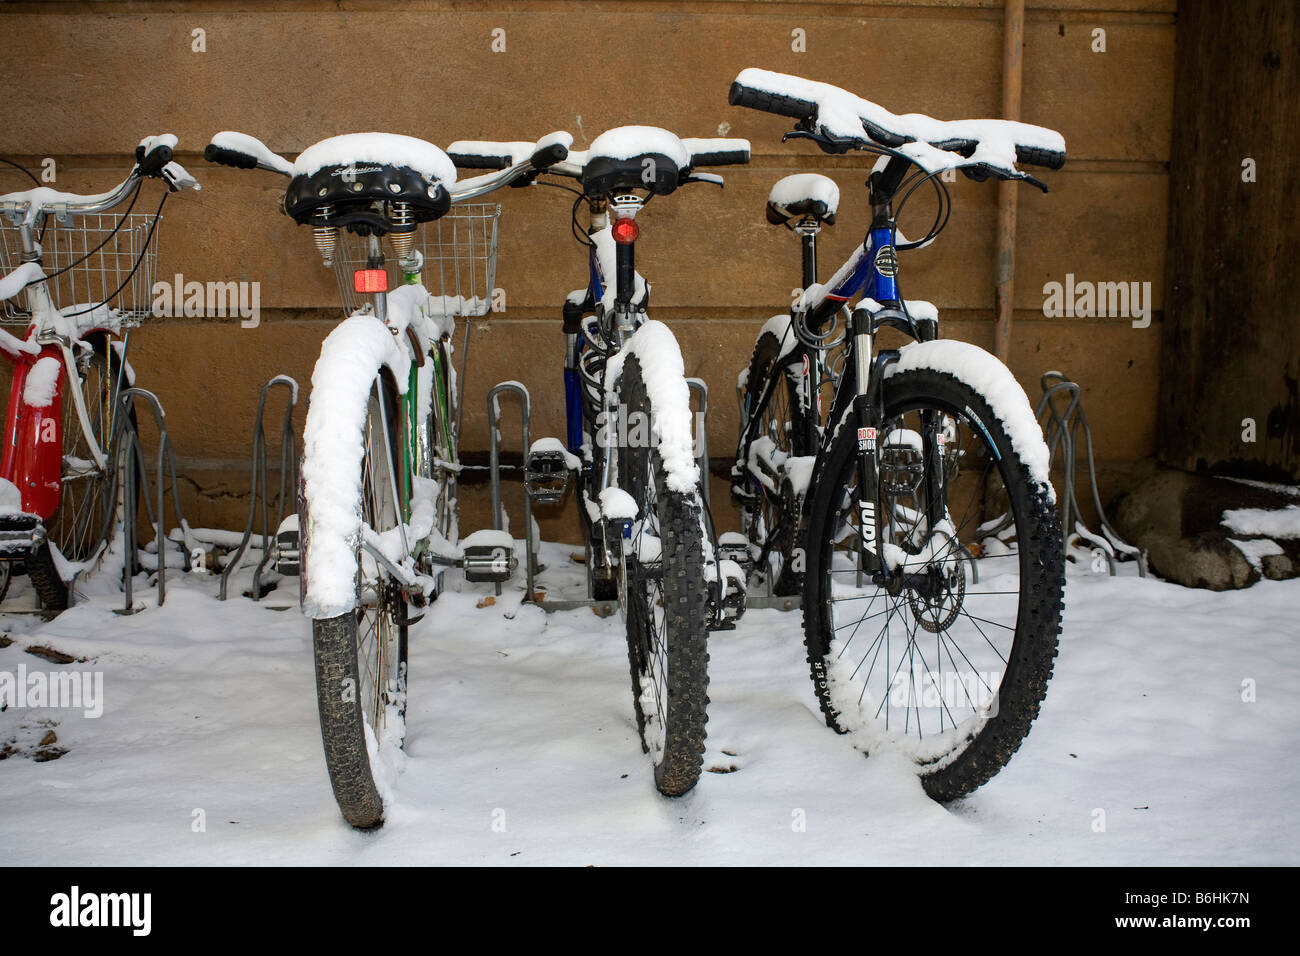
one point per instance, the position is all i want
(460, 260)
(92, 260)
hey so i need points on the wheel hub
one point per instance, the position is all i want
(937, 600)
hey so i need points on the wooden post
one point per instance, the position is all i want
(1230, 368)
(1013, 31)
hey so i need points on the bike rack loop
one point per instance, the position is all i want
(701, 390)
(696, 385)
(494, 466)
(1061, 431)
(288, 484)
(128, 455)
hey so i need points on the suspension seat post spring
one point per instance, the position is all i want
(401, 218)
(325, 236)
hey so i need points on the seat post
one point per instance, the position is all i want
(375, 260)
(807, 229)
(625, 208)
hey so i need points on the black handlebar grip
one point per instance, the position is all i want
(229, 157)
(720, 157)
(548, 156)
(476, 161)
(152, 163)
(769, 102)
(1036, 156)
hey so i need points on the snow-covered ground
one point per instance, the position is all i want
(524, 720)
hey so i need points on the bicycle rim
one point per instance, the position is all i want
(381, 639)
(84, 503)
(920, 671)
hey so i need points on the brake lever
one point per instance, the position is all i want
(798, 134)
(177, 178)
(1033, 182)
(713, 178)
(827, 144)
(980, 172)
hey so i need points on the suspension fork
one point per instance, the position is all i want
(866, 414)
(936, 493)
(868, 407)
(573, 313)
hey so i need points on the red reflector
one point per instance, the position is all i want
(625, 231)
(370, 280)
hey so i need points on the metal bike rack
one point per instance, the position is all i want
(1061, 432)
(701, 391)
(288, 486)
(769, 600)
(128, 456)
(698, 388)
(494, 440)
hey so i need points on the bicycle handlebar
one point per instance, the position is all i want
(242, 151)
(546, 152)
(153, 158)
(717, 152)
(838, 121)
(153, 153)
(477, 154)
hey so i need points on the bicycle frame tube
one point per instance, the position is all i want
(860, 275)
(573, 416)
(573, 406)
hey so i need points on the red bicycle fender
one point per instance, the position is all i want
(33, 451)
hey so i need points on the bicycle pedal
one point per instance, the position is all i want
(734, 546)
(546, 471)
(730, 606)
(19, 533)
(405, 619)
(288, 558)
(489, 556)
(741, 492)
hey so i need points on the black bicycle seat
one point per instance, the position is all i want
(350, 174)
(647, 157)
(800, 195)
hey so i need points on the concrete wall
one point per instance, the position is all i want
(85, 80)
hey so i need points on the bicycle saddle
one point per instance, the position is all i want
(349, 174)
(647, 157)
(803, 194)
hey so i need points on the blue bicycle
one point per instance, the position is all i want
(915, 518)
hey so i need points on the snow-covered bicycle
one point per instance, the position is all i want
(919, 522)
(376, 527)
(629, 438)
(57, 505)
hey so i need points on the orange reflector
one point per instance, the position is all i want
(370, 280)
(625, 231)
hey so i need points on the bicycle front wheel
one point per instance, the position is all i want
(361, 665)
(948, 662)
(664, 596)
